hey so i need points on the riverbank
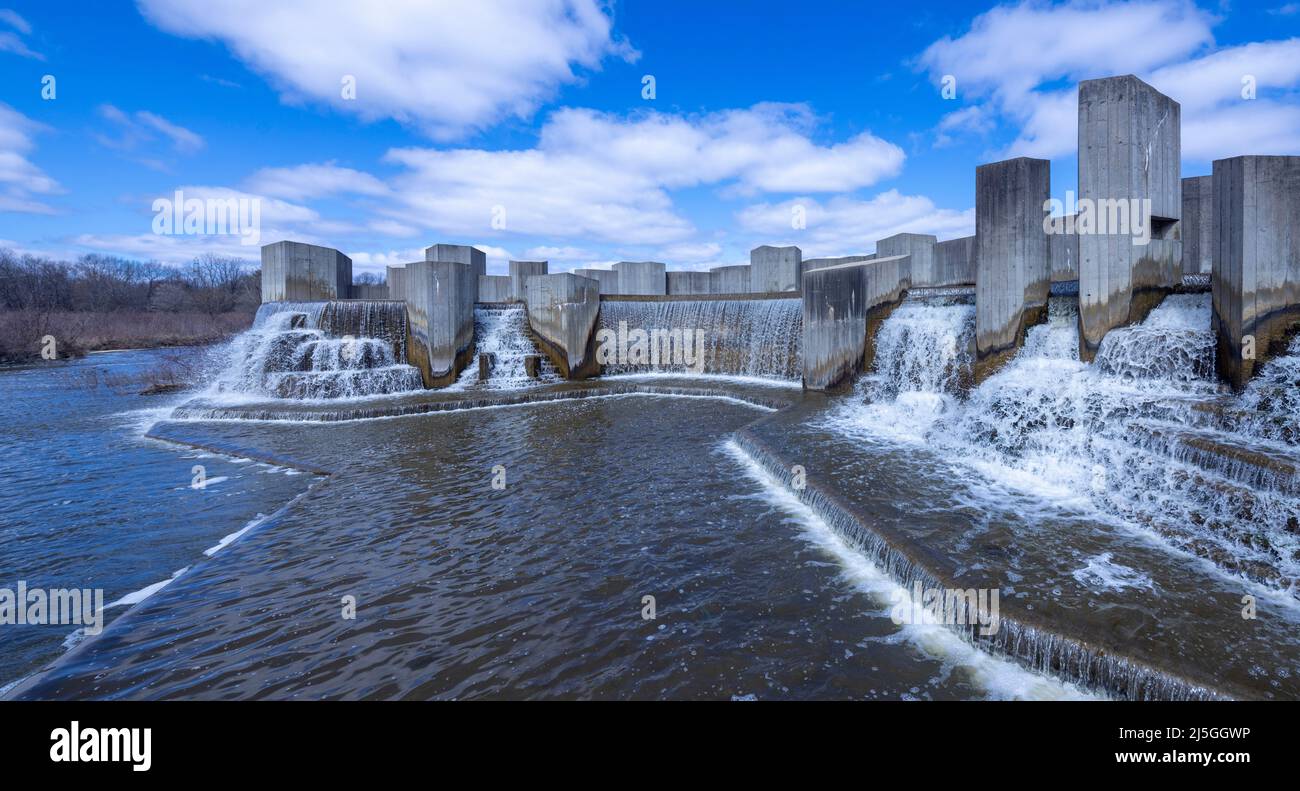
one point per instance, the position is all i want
(25, 335)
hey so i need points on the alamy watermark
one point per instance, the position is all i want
(23, 606)
(1100, 217)
(654, 347)
(236, 216)
(948, 606)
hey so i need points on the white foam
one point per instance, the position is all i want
(1101, 573)
(233, 537)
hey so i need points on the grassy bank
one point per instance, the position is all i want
(23, 332)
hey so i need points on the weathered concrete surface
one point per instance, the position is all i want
(1063, 250)
(688, 283)
(370, 291)
(1256, 278)
(920, 246)
(953, 262)
(475, 258)
(1013, 274)
(440, 299)
(729, 279)
(397, 282)
(562, 312)
(495, 288)
(822, 263)
(519, 272)
(843, 306)
(607, 278)
(300, 272)
(1129, 149)
(775, 268)
(641, 277)
(1199, 239)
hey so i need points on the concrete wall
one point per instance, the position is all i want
(690, 283)
(1063, 250)
(607, 278)
(519, 271)
(641, 277)
(369, 291)
(1256, 278)
(821, 263)
(729, 279)
(920, 246)
(773, 269)
(495, 288)
(475, 258)
(440, 299)
(953, 262)
(1129, 149)
(397, 282)
(562, 312)
(1013, 275)
(843, 306)
(1199, 239)
(300, 272)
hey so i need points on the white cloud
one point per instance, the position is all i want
(314, 181)
(144, 132)
(1024, 60)
(13, 42)
(22, 184)
(444, 66)
(846, 226)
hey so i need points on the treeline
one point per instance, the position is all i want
(105, 302)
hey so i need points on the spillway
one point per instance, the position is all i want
(753, 338)
(503, 332)
(319, 350)
(1145, 436)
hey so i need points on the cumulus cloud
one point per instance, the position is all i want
(442, 66)
(845, 225)
(23, 185)
(1023, 62)
(315, 181)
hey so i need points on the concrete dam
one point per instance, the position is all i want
(1100, 432)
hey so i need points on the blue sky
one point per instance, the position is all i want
(532, 112)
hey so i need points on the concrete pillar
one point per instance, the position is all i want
(810, 264)
(775, 269)
(521, 270)
(1013, 275)
(1129, 150)
(440, 299)
(1199, 239)
(1256, 277)
(562, 311)
(461, 254)
(641, 277)
(920, 246)
(300, 272)
(1063, 250)
(495, 288)
(688, 283)
(843, 306)
(607, 278)
(397, 282)
(729, 279)
(369, 291)
(953, 262)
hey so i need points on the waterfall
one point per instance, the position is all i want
(741, 337)
(1144, 435)
(503, 332)
(319, 350)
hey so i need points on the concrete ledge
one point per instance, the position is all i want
(562, 312)
(440, 313)
(842, 307)
(301, 272)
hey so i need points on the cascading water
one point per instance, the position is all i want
(502, 332)
(1144, 435)
(752, 338)
(319, 350)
